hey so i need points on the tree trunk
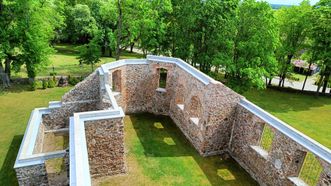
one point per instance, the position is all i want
(307, 74)
(119, 30)
(319, 84)
(110, 52)
(131, 47)
(7, 67)
(326, 79)
(280, 80)
(269, 83)
(4, 77)
(103, 50)
(283, 76)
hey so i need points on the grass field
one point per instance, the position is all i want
(310, 115)
(16, 105)
(65, 62)
(159, 154)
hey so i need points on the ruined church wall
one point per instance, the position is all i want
(85, 96)
(105, 144)
(283, 160)
(214, 108)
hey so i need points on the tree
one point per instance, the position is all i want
(27, 34)
(250, 56)
(321, 40)
(90, 53)
(84, 23)
(293, 23)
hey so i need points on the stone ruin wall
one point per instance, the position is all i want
(139, 93)
(83, 97)
(284, 160)
(223, 125)
(105, 144)
(32, 175)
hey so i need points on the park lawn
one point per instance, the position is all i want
(159, 154)
(309, 114)
(16, 105)
(65, 62)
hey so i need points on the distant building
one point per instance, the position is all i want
(301, 67)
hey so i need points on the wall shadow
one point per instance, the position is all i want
(160, 137)
(7, 172)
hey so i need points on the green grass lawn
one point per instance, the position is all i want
(159, 154)
(65, 62)
(16, 105)
(309, 114)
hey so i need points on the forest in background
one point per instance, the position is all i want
(247, 41)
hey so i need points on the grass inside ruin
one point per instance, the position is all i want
(55, 141)
(159, 154)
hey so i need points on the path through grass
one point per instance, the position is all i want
(159, 154)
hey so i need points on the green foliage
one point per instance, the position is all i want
(33, 86)
(44, 84)
(51, 83)
(294, 23)
(321, 38)
(249, 56)
(90, 54)
(73, 80)
(84, 23)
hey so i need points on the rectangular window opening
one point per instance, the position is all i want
(310, 170)
(163, 78)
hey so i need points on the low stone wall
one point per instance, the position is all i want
(59, 117)
(32, 175)
(85, 90)
(105, 145)
(272, 167)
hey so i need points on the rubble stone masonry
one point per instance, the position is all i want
(105, 144)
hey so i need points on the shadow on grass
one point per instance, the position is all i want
(15, 88)
(282, 102)
(7, 172)
(160, 137)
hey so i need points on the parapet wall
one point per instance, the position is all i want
(281, 164)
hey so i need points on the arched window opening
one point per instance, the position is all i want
(163, 73)
(116, 81)
(195, 110)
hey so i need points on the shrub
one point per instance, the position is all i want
(53, 74)
(51, 83)
(44, 84)
(73, 80)
(33, 86)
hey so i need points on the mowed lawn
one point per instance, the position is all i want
(16, 105)
(64, 62)
(159, 154)
(309, 114)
